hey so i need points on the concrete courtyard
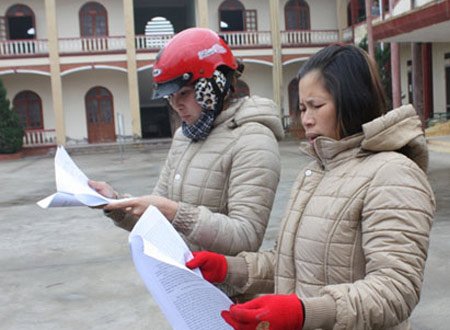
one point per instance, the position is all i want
(70, 268)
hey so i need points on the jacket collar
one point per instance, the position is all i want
(330, 152)
(398, 130)
(229, 112)
(252, 109)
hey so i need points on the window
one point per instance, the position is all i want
(28, 106)
(297, 15)
(386, 5)
(3, 35)
(251, 21)
(93, 20)
(359, 10)
(234, 17)
(20, 23)
(158, 31)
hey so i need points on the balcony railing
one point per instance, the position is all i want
(347, 34)
(39, 137)
(106, 44)
(92, 44)
(153, 42)
(251, 39)
(309, 37)
(23, 47)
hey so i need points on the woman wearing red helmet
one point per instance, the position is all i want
(220, 177)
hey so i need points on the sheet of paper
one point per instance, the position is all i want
(72, 186)
(153, 227)
(59, 200)
(186, 299)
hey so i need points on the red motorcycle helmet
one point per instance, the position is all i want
(191, 54)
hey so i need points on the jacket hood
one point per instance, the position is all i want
(399, 130)
(254, 109)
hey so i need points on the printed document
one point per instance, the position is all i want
(187, 300)
(72, 186)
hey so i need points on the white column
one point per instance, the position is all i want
(55, 72)
(277, 69)
(341, 15)
(202, 13)
(133, 88)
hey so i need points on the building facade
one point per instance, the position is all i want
(420, 29)
(79, 72)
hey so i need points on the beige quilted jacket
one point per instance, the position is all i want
(226, 184)
(354, 240)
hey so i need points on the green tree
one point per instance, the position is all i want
(11, 130)
(383, 59)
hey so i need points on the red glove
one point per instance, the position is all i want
(274, 312)
(212, 265)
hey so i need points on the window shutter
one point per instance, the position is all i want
(2, 28)
(251, 21)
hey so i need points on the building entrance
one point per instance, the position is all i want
(155, 122)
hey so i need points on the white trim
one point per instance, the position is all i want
(258, 62)
(79, 69)
(294, 60)
(40, 73)
(6, 72)
(110, 67)
(145, 67)
(93, 67)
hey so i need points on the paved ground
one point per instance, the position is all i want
(71, 268)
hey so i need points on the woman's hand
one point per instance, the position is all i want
(137, 206)
(277, 312)
(212, 265)
(103, 189)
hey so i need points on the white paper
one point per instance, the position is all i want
(186, 299)
(72, 186)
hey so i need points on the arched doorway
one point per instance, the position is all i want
(293, 97)
(294, 124)
(20, 23)
(28, 106)
(234, 17)
(100, 115)
(231, 16)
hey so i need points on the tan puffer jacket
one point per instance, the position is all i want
(226, 184)
(354, 241)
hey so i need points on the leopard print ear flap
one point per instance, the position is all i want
(204, 91)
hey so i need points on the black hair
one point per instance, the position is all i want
(351, 77)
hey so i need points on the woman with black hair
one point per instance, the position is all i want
(352, 246)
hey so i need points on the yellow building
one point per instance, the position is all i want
(79, 71)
